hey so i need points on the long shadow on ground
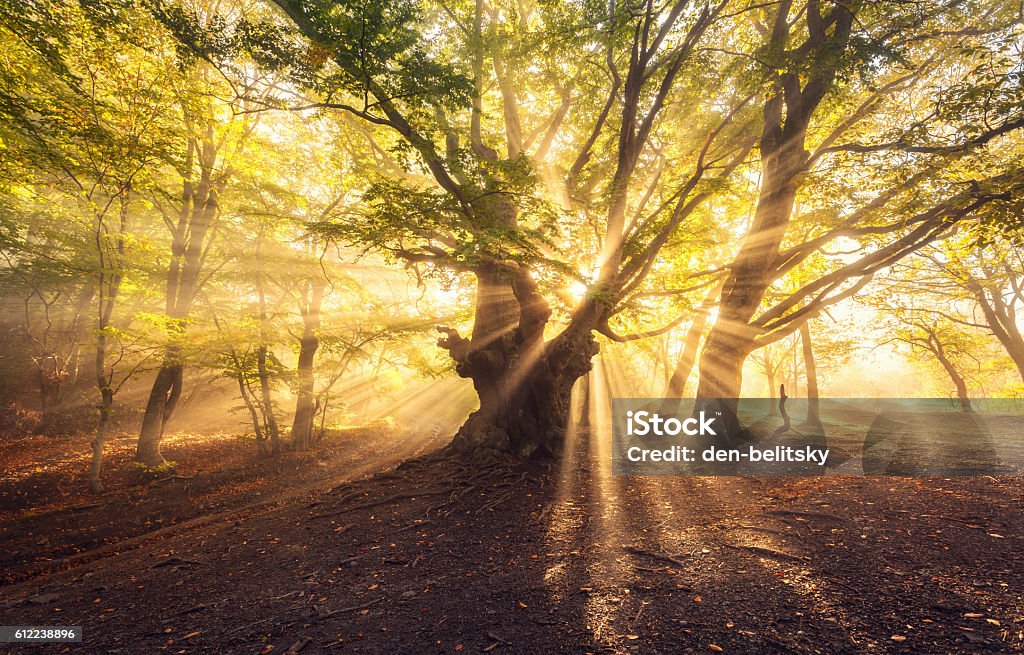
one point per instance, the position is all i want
(438, 556)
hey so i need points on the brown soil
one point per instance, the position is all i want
(47, 515)
(437, 557)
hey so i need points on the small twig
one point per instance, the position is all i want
(758, 528)
(248, 625)
(809, 515)
(176, 561)
(79, 508)
(354, 608)
(186, 612)
(498, 641)
(970, 524)
(412, 526)
(650, 553)
(298, 645)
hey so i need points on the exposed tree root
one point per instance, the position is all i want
(384, 501)
(768, 552)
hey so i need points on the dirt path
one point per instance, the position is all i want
(436, 558)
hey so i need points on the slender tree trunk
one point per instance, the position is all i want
(1001, 321)
(959, 382)
(200, 204)
(267, 400)
(163, 397)
(795, 367)
(49, 393)
(305, 409)
(677, 383)
(109, 287)
(691, 346)
(586, 381)
(261, 444)
(263, 372)
(106, 404)
(813, 401)
(96, 465)
(769, 374)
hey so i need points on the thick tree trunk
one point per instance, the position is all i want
(732, 338)
(786, 114)
(305, 403)
(813, 401)
(523, 383)
(721, 375)
(721, 365)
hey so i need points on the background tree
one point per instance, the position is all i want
(836, 81)
(216, 130)
(92, 129)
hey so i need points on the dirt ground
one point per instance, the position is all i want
(435, 557)
(47, 517)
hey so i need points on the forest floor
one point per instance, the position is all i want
(48, 518)
(437, 557)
